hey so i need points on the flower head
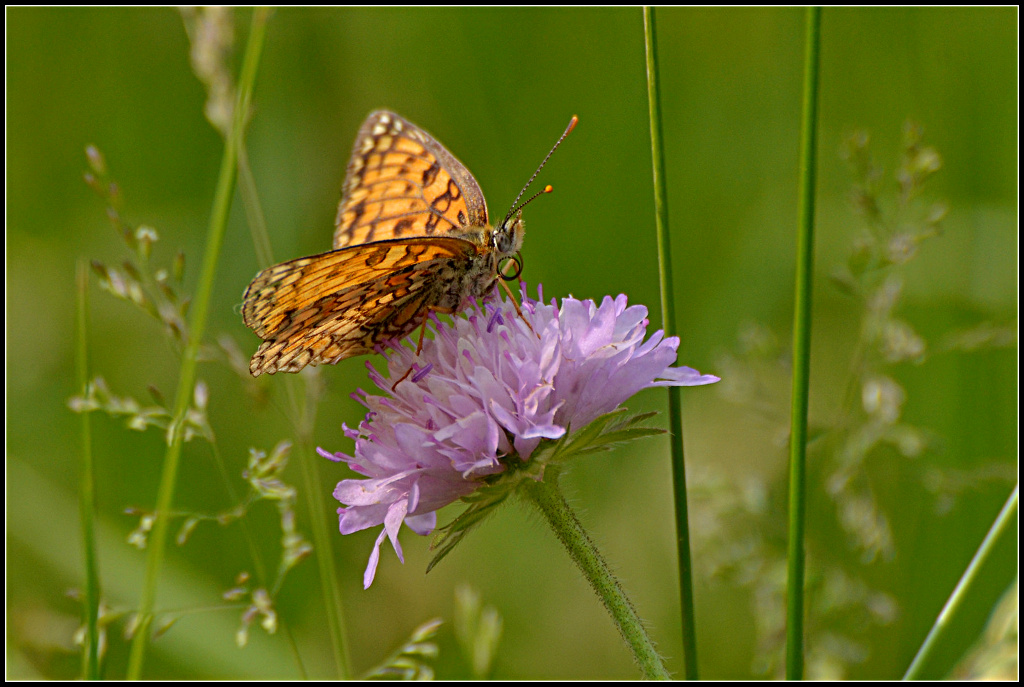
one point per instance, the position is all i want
(486, 391)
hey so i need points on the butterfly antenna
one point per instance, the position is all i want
(547, 189)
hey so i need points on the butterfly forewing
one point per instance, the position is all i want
(402, 183)
(328, 307)
(411, 238)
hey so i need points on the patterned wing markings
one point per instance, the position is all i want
(331, 306)
(411, 237)
(401, 183)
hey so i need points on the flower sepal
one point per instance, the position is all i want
(482, 503)
(546, 462)
(602, 434)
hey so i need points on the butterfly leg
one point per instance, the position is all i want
(423, 330)
(516, 304)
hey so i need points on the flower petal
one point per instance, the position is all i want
(371, 566)
(488, 388)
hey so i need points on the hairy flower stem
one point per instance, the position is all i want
(547, 497)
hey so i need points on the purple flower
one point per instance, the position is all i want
(486, 390)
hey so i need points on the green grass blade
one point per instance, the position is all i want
(944, 624)
(87, 491)
(304, 409)
(668, 309)
(197, 324)
(802, 353)
(254, 211)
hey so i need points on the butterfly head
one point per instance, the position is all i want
(507, 237)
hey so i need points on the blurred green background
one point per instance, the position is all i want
(497, 87)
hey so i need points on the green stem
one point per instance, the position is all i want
(197, 324)
(87, 492)
(253, 210)
(668, 309)
(546, 496)
(943, 624)
(802, 353)
(304, 411)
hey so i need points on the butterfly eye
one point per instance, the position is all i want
(504, 238)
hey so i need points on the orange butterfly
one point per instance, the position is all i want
(412, 236)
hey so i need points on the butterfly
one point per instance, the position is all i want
(411, 237)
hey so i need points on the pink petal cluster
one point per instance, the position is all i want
(490, 387)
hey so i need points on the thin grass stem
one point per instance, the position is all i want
(254, 210)
(944, 625)
(802, 353)
(668, 309)
(302, 409)
(197, 324)
(250, 537)
(87, 489)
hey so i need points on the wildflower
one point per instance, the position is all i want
(483, 395)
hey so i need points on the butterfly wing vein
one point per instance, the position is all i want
(328, 307)
(409, 238)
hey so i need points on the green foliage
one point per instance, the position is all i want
(869, 425)
(411, 660)
(477, 630)
(121, 78)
